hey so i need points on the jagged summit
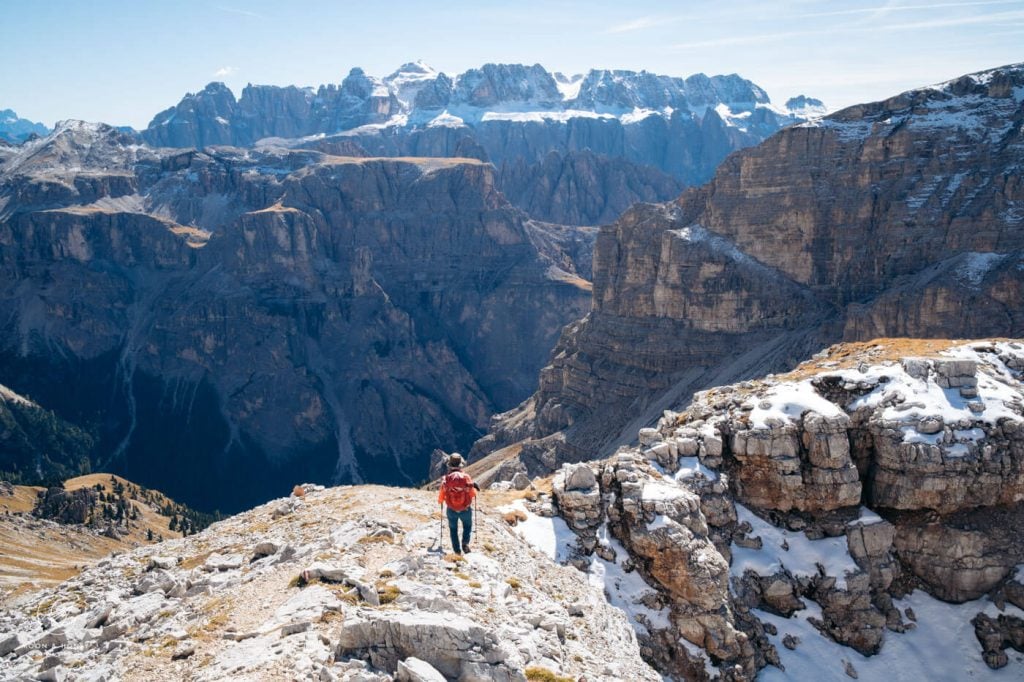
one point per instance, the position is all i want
(806, 107)
(416, 96)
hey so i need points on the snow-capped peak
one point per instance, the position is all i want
(806, 107)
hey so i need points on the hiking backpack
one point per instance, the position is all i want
(458, 491)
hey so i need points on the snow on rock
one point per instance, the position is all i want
(791, 551)
(942, 646)
(548, 535)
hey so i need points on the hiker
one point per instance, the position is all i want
(458, 492)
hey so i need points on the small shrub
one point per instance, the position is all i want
(454, 558)
(386, 573)
(462, 575)
(489, 548)
(475, 584)
(538, 674)
(514, 583)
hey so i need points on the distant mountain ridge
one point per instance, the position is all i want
(15, 129)
(417, 95)
(630, 123)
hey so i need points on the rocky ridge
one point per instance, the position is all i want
(348, 583)
(853, 502)
(617, 137)
(898, 218)
(292, 307)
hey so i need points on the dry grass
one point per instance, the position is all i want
(514, 583)
(387, 593)
(849, 355)
(195, 561)
(513, 517)
(370, 539)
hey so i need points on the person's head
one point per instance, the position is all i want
(455, 461)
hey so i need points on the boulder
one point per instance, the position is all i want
(417, 670)
(455, 646)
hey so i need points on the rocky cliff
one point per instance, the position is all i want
(219, 317)
(894, 218)
(858, 516)
(659, 131)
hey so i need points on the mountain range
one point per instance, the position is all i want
(574, 150)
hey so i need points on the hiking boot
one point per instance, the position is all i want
(465, 549)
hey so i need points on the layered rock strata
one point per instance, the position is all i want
(221, 317)
(760, 505)
(899, 217)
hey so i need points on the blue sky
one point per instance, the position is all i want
(121, 61)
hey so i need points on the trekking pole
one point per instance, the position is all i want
(440, 531)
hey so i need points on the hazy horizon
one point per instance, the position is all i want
(120, 62)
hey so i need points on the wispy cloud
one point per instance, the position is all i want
(1001, 19)
(753, 39)
(243, 12)
(887, 8)
(225, 71)
(639, 24)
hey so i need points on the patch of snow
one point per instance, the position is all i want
(639, 114)
(977, 265)
(220, 119)
(866, 518)
(699, 234)
(787, 402)
(941, 647)
(699, 654)
(654, 492)
(570, 88)
(446, 120)
(801, 559)
(540, 116)
(625, 590)
(998, 391)
(689, 467)
(660, 521)
(549, 535)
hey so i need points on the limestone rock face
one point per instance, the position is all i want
(898, 218)
(728, 512)
(294, 308)
(582, 188)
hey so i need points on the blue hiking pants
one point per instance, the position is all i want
(466, 516)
